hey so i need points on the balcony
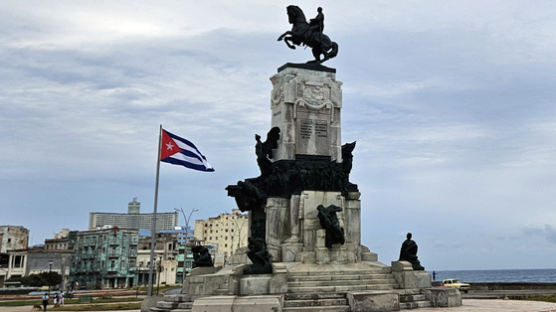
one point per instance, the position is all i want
(88, 256)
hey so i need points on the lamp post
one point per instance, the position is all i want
(49, 271)
(159, 274)
(187, 219)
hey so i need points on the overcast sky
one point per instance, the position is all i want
(452, 104)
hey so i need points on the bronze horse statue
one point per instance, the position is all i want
(303, 33)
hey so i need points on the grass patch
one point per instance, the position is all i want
(544, 298)
(17, 303)
(100, 307)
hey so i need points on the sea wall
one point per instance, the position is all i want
(511, 286)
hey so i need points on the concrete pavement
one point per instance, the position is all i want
(497, 305)
(469, 305)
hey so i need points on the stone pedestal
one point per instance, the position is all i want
(443, 297)
(406, 277)
(277, 225)
(254, 284)
(306, 107)
(238, 304)
(373, 301)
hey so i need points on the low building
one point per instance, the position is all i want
(12, 265)
(104, 258)
(59, 242)
(165, 256)
(13, 237)
(41, 260)
(226, 232)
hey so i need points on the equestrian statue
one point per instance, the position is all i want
(309, 34)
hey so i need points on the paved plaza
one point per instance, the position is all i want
(469, 305)
(498, 305)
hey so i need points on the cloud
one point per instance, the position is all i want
(548, 232)
(451, 105)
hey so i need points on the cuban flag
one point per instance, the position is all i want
(179, 151)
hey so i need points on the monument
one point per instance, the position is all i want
(305, 251)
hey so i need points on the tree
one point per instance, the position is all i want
(45, 278)
(51, 278)
(32, 280)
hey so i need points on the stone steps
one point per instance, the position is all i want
(315, 302)
(333, 277)
(384, 270)
(413, 300)
(313, 296)
(318, 309)
(174, 303)
(382, 281)
(414, 305)
(379, 278)
(342, 288)
(309, 302)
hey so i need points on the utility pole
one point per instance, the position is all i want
(49, 271)
(186, 219)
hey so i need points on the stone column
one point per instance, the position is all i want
(306, 106)
(277, 229)
(292, 246)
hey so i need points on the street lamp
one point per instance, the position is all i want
(49, 271)
(186, 235)
(159, 274)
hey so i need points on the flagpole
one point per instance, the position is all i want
(153, 231)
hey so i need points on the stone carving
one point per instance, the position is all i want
(288, 177)
(201, 257)
(259, 257)
(284, 178)
(264, 150)
(329, 221)
(347, 162)
(303, 33)
(408, 253)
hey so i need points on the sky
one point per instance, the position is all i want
(452, 105)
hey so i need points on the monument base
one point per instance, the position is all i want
(238, 304)
(374, 301)
(407, 278)
(443, 297)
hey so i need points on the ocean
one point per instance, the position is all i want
(527, 276)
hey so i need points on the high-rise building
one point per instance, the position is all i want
(133, 219)
(226, 232)
(13, 237)
(134, 206)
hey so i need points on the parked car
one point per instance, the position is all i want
(437, 284)
(452, 282)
